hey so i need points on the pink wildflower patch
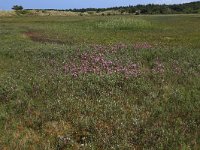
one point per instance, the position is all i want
(97, 63)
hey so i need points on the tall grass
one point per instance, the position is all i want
(125, 24)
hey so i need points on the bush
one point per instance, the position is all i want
(137, 12)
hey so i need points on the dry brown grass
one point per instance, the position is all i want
(40, 13)
(59, 13)
(7, 13)
(53, 13)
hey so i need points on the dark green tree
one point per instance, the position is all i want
(17, 7)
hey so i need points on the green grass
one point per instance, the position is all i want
(44, 107)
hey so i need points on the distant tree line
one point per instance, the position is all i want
(187, 8)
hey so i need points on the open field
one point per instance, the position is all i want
(100, 82)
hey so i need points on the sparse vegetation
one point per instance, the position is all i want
(100, 82)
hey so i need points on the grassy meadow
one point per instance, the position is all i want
(100, 82)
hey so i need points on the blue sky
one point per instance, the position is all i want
(65, 4)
